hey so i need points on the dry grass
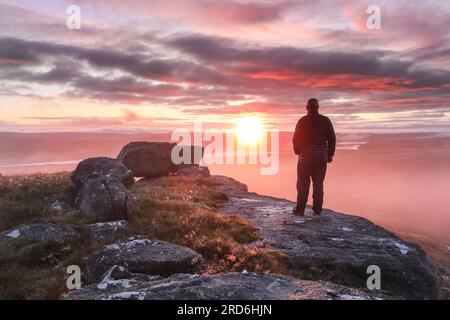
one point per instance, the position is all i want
(27, 197)
(179, 210)
(183, 210)
(19, 282)
(36, 269)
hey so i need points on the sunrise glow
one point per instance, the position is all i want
(249, 130)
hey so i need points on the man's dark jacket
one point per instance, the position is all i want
(314, 139)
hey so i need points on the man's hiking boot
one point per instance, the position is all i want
(298, 212)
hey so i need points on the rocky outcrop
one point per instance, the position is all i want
(225, 286)
(148, 159)
(145, 256)
(102, 184)
(328, 255)
(103, 198)
(335, 247)
(154, 159)
(107, 167)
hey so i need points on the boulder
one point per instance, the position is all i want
(148, 159)
(335, 247)
(103, 198)
(154, 159)
(224, 286)
(108, 231)
(143, 256)
(111, 168)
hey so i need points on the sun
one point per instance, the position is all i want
(249, 130)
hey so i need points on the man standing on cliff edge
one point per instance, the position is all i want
(314, 142)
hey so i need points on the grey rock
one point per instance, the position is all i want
(154, 159)
(143, 256)
(110, 168)
(336, 247)
(148, 159)
(119, 272)
(119, 278)
(103, 198)
(108, 231)
(40, 231)
(37, 242)
(225, 286)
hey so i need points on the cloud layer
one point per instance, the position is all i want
(189, 58)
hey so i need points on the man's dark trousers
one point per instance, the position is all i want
(305, 173)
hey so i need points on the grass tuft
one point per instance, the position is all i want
(184, 211)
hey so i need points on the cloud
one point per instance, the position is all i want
(289, 62)
(237, 12)
(200, 57)
(209, 72)
(265, 62)
(88, 122)
(224, 11)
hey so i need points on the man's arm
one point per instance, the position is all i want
(331, 139)
(296, 139)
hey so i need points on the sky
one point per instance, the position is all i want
(158, 65)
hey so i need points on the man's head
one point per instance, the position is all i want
(313, 105)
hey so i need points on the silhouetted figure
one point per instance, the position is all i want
(314, 142)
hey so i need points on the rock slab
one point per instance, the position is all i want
(40, 231)
(224, 286)
(335, 247)
(151, 257)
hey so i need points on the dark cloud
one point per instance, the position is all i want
(211, 71)
(136, 64)
(297, 61)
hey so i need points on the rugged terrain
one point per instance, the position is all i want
(179, 233)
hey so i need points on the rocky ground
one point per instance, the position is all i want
(183, 234)
(222, 286)
(336, 247)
